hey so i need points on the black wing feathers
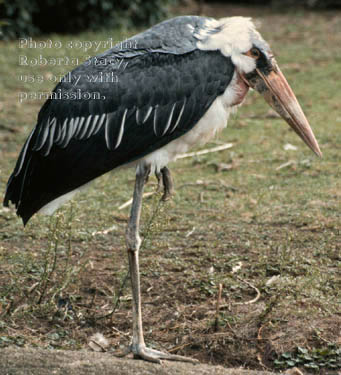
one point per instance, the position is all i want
(158, 97)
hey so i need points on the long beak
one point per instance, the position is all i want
(281, 98)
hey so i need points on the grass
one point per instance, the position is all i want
(281, 226)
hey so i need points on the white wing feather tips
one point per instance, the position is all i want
(62, 133)
(57, 132)
(179, 117)
(81, 120)
(42, 138)
(85, 127)
(68, 134)
(79, 127)
(147, 114)
(23, 155)
(99, 124)
(50, 137)
(75, 124)
(71, 129)
(155, 119)
(120, 135)
(169, 119)
(106, 131)
(92, 127)
(137, 116)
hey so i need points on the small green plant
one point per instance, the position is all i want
(37, 280)
(314, 359)
(59, 266)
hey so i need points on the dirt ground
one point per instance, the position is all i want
(43, 362)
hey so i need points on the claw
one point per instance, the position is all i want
(152, 355)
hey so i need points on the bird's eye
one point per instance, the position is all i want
(255, 52)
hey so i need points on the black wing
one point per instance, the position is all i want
(156, 98)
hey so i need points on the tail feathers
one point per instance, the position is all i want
(32, 184)
(14, 193)
(15, 183)
(34, 187)
(11, 192)
(40, 181)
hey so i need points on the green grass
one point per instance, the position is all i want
(283, 225)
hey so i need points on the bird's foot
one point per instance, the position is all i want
(152, 355)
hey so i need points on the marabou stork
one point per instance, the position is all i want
(181, 78)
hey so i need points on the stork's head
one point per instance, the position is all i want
(237, 38)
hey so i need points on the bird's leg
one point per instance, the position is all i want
(133, 245)
(133, 240)
(165, 177)
(167, 184)
(158, 175)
